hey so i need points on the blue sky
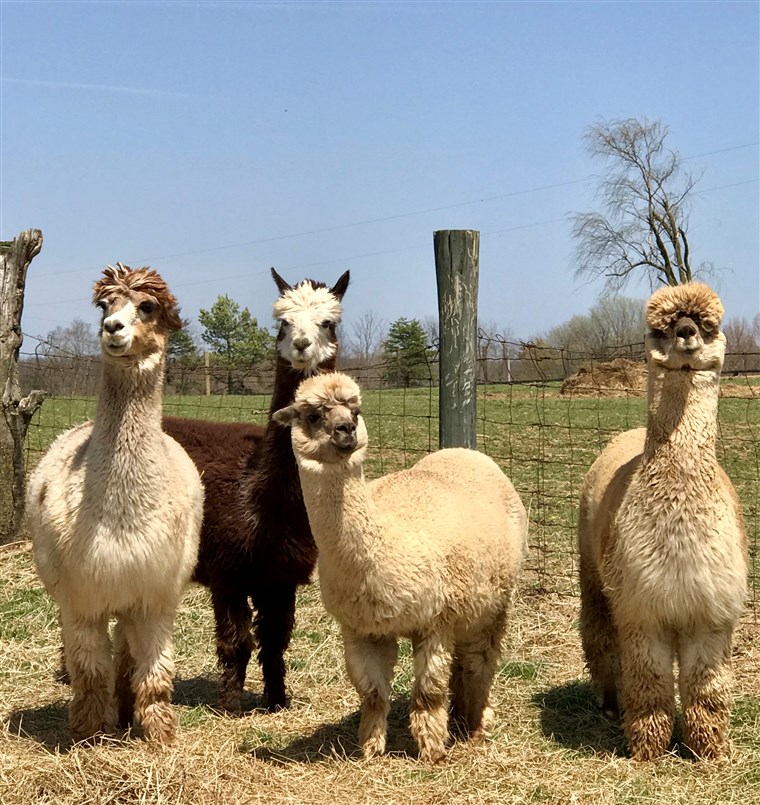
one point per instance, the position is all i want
(212, 140)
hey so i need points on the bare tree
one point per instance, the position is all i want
(15, 258)
(645, 194)
(65, 359)
(497, 346)
(75, 340)
(742, 345)
(366, 337)
(611, 328)
(430, 326)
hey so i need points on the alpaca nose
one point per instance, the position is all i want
(301, 343)
(686, 328)
(113, 325)
(344, 436)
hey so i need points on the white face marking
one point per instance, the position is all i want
(307, 318)
(117, 328)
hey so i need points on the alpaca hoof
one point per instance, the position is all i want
(713, 754)
(87, 724)
(230, 702)
(433, 754)
(159, 723)
(373, 747)
(277, 702)
(645, 754)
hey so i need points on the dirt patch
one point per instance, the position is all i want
(742, 390)
(620, 377)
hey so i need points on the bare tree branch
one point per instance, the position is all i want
(644, 195)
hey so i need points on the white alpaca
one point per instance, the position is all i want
(662, 542)
(431, 553)
(114, 509)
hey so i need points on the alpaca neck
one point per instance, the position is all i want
(682, 413)
(341, 515)
(128, 413)
(276, 440)
(287, 380)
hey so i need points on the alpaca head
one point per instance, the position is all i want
(325, 417)
(684, 328)
(308, 314)
(138, 311)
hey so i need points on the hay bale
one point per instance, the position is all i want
(621, 377)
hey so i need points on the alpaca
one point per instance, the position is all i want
(255, 542)
(431, 553)
(663, 556)
(114, 510)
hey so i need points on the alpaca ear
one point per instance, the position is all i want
(340, 286)
(282, 286)
(285, 416)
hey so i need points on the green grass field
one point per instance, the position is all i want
(543, 441)
(551, 745)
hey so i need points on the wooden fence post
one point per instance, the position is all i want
(456, 268)
(15, 258)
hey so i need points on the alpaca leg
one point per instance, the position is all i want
(90, 666)
(599, 640)
(273, 626)
(369, 662)
(62, 674)
(125, 668)
(150, 641)
(234, 644)
(476, 661)
(705, 682)
(648, 691)
(432, 667)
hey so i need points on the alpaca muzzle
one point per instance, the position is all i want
(344, 437)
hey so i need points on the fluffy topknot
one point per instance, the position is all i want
(122, 280)
(328, 390)
(693, 299)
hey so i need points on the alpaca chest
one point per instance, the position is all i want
(117, 554)
(387, 602)
(676, 565)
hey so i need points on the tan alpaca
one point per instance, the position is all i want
(431, 553)
(663, 560)
(114, 509)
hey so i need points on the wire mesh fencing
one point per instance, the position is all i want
(543, 414)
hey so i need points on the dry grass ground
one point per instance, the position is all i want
(551, 745)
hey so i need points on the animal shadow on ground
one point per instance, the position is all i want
(200, 691)
(570, 717)
(341, 739)
(48, 725)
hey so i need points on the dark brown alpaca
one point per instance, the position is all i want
(256, 544)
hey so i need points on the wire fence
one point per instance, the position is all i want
(543, 414)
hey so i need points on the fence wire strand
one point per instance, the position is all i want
(544, 414)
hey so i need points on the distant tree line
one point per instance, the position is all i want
(234, 355)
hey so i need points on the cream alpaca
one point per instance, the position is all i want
(114, 510)
(431, 553)
(663, 549)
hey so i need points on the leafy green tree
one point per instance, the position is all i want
(182, 356)
(405, 353)
(182, 346)
(237, 342)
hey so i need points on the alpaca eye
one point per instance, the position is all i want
(101, 303)
(282, 322)
(312, 419)
(147, 307)
(325, 324)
